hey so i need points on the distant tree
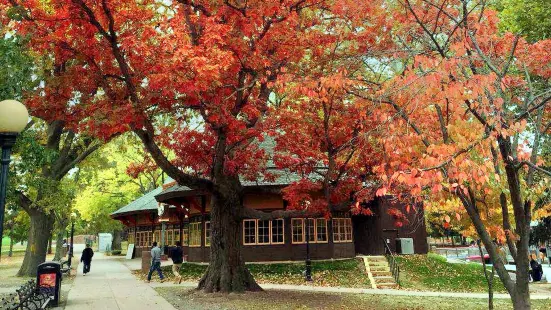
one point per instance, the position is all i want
(111, 178)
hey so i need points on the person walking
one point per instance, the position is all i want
(155, 263)
(177, 256)
(86, 259)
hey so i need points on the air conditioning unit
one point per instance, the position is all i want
(404, 246)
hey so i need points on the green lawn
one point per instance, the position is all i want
(275, 300)
(6, 246)
(432, 272)
(345, 273)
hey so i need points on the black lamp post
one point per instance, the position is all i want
(308, 276)
(13, 119)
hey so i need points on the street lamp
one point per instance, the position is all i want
(308, 273)
(13, 119)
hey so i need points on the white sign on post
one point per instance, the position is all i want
(130, 251)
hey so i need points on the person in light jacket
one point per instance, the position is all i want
(155, 263)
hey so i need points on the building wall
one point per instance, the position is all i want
(368, 233)
(371, 231)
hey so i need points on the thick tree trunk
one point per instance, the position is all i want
(117, 239)
(39, 234)
(59, 253)
(227, 271)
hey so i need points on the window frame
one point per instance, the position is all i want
(258, 232)
(270, 232)
(303, 231)
(282, 231)
(193, 236)
(255, 232)
(315, 230)
(342, 223)
(209, 230)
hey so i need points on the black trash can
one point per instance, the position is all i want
(48, 280)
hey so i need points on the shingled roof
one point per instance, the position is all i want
(149, 201)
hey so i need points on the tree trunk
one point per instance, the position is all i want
(50, 245)
(227, 271)
(59, 245)
(489, 278)
(10, 253)
(37, 246)
(117, 239)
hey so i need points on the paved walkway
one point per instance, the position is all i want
(391, 292)
(111, 285)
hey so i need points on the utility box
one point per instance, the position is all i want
(104, 242)
(404, 246)
(48, 281)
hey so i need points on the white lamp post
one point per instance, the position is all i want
(13, 119)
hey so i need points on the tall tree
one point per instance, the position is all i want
(208, 65)
(46, 153)
(471, 122)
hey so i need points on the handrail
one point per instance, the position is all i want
(393, 263)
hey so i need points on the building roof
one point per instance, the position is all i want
(145, 202)
(282, 177)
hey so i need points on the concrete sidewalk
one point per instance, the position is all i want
(111, 285)
(391, 292)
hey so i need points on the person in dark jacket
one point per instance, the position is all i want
(177, 255)
(86, 259)
(537, 270)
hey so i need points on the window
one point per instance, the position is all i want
(157, 236)
(264, 232)
(185, 233)
(321, 230)
(169, 237)
(310, 230)
(298, 230)
(316, 230)
(249, 232)
(342, 230)
(176, 235)
(195, 234)
(207, 233)
(138, 239)
(277, 232)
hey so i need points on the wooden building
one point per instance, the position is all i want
(183, 214)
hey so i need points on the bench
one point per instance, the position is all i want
(28, 297)
(65, 268)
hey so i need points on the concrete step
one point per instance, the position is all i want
(377, 259)
(379, 268)
(381, 273)
(383, 278)
(387, 285)
(378, 263)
